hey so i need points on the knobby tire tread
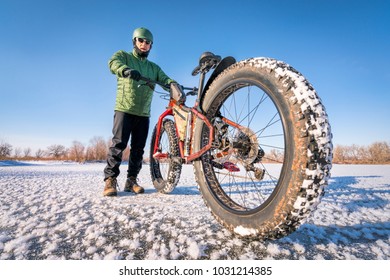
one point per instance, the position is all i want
(174, 169)
(311, 146)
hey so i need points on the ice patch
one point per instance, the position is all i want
(42, 219)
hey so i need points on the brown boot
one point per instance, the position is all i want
(132, 186)
(110, 187)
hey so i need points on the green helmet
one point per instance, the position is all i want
(143, 33)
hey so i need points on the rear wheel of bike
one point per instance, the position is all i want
(165, 172)
(266, 173)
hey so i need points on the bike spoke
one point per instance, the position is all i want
(251, 108)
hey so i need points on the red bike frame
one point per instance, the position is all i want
(176, 106)
(170, 112)
(192, 156)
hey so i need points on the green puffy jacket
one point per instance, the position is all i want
(130, 98)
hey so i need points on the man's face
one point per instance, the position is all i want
(143, 44)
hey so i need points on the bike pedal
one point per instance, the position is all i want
(230, 166)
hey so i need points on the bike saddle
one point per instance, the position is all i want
(207, 61)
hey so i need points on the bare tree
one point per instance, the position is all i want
(27, 152)
(5, 149)
(376, 153)
(97, 149)
(76, 152)
(339, 154)
(89, 155)
(379, 152)
(363, 155)
(39, 153)
(17, 152)
(56, 151)
(354, 153)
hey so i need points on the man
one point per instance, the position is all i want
(132, 110)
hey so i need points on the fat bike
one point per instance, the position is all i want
(258, 137)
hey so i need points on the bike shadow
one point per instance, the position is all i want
(355, 195)
(351, 200)
(179, 190)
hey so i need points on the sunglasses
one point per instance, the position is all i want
(141, 40)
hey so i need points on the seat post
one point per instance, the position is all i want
(201, 84)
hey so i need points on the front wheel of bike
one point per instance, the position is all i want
(166, 170)
(272, 150)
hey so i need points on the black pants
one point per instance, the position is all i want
(126, 125)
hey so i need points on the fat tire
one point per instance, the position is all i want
(168, 184)
(308, 150)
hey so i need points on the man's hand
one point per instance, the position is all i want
(132, 74)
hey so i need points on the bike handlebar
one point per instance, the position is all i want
(193, 90)
(150, 81)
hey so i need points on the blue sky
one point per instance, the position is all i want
(55, 85)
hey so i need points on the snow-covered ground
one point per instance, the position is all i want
(57, 211)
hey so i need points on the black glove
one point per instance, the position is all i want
(132, 74)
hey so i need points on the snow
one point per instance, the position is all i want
(56, 210)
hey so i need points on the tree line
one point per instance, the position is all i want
(95, 151)
(376, 153)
